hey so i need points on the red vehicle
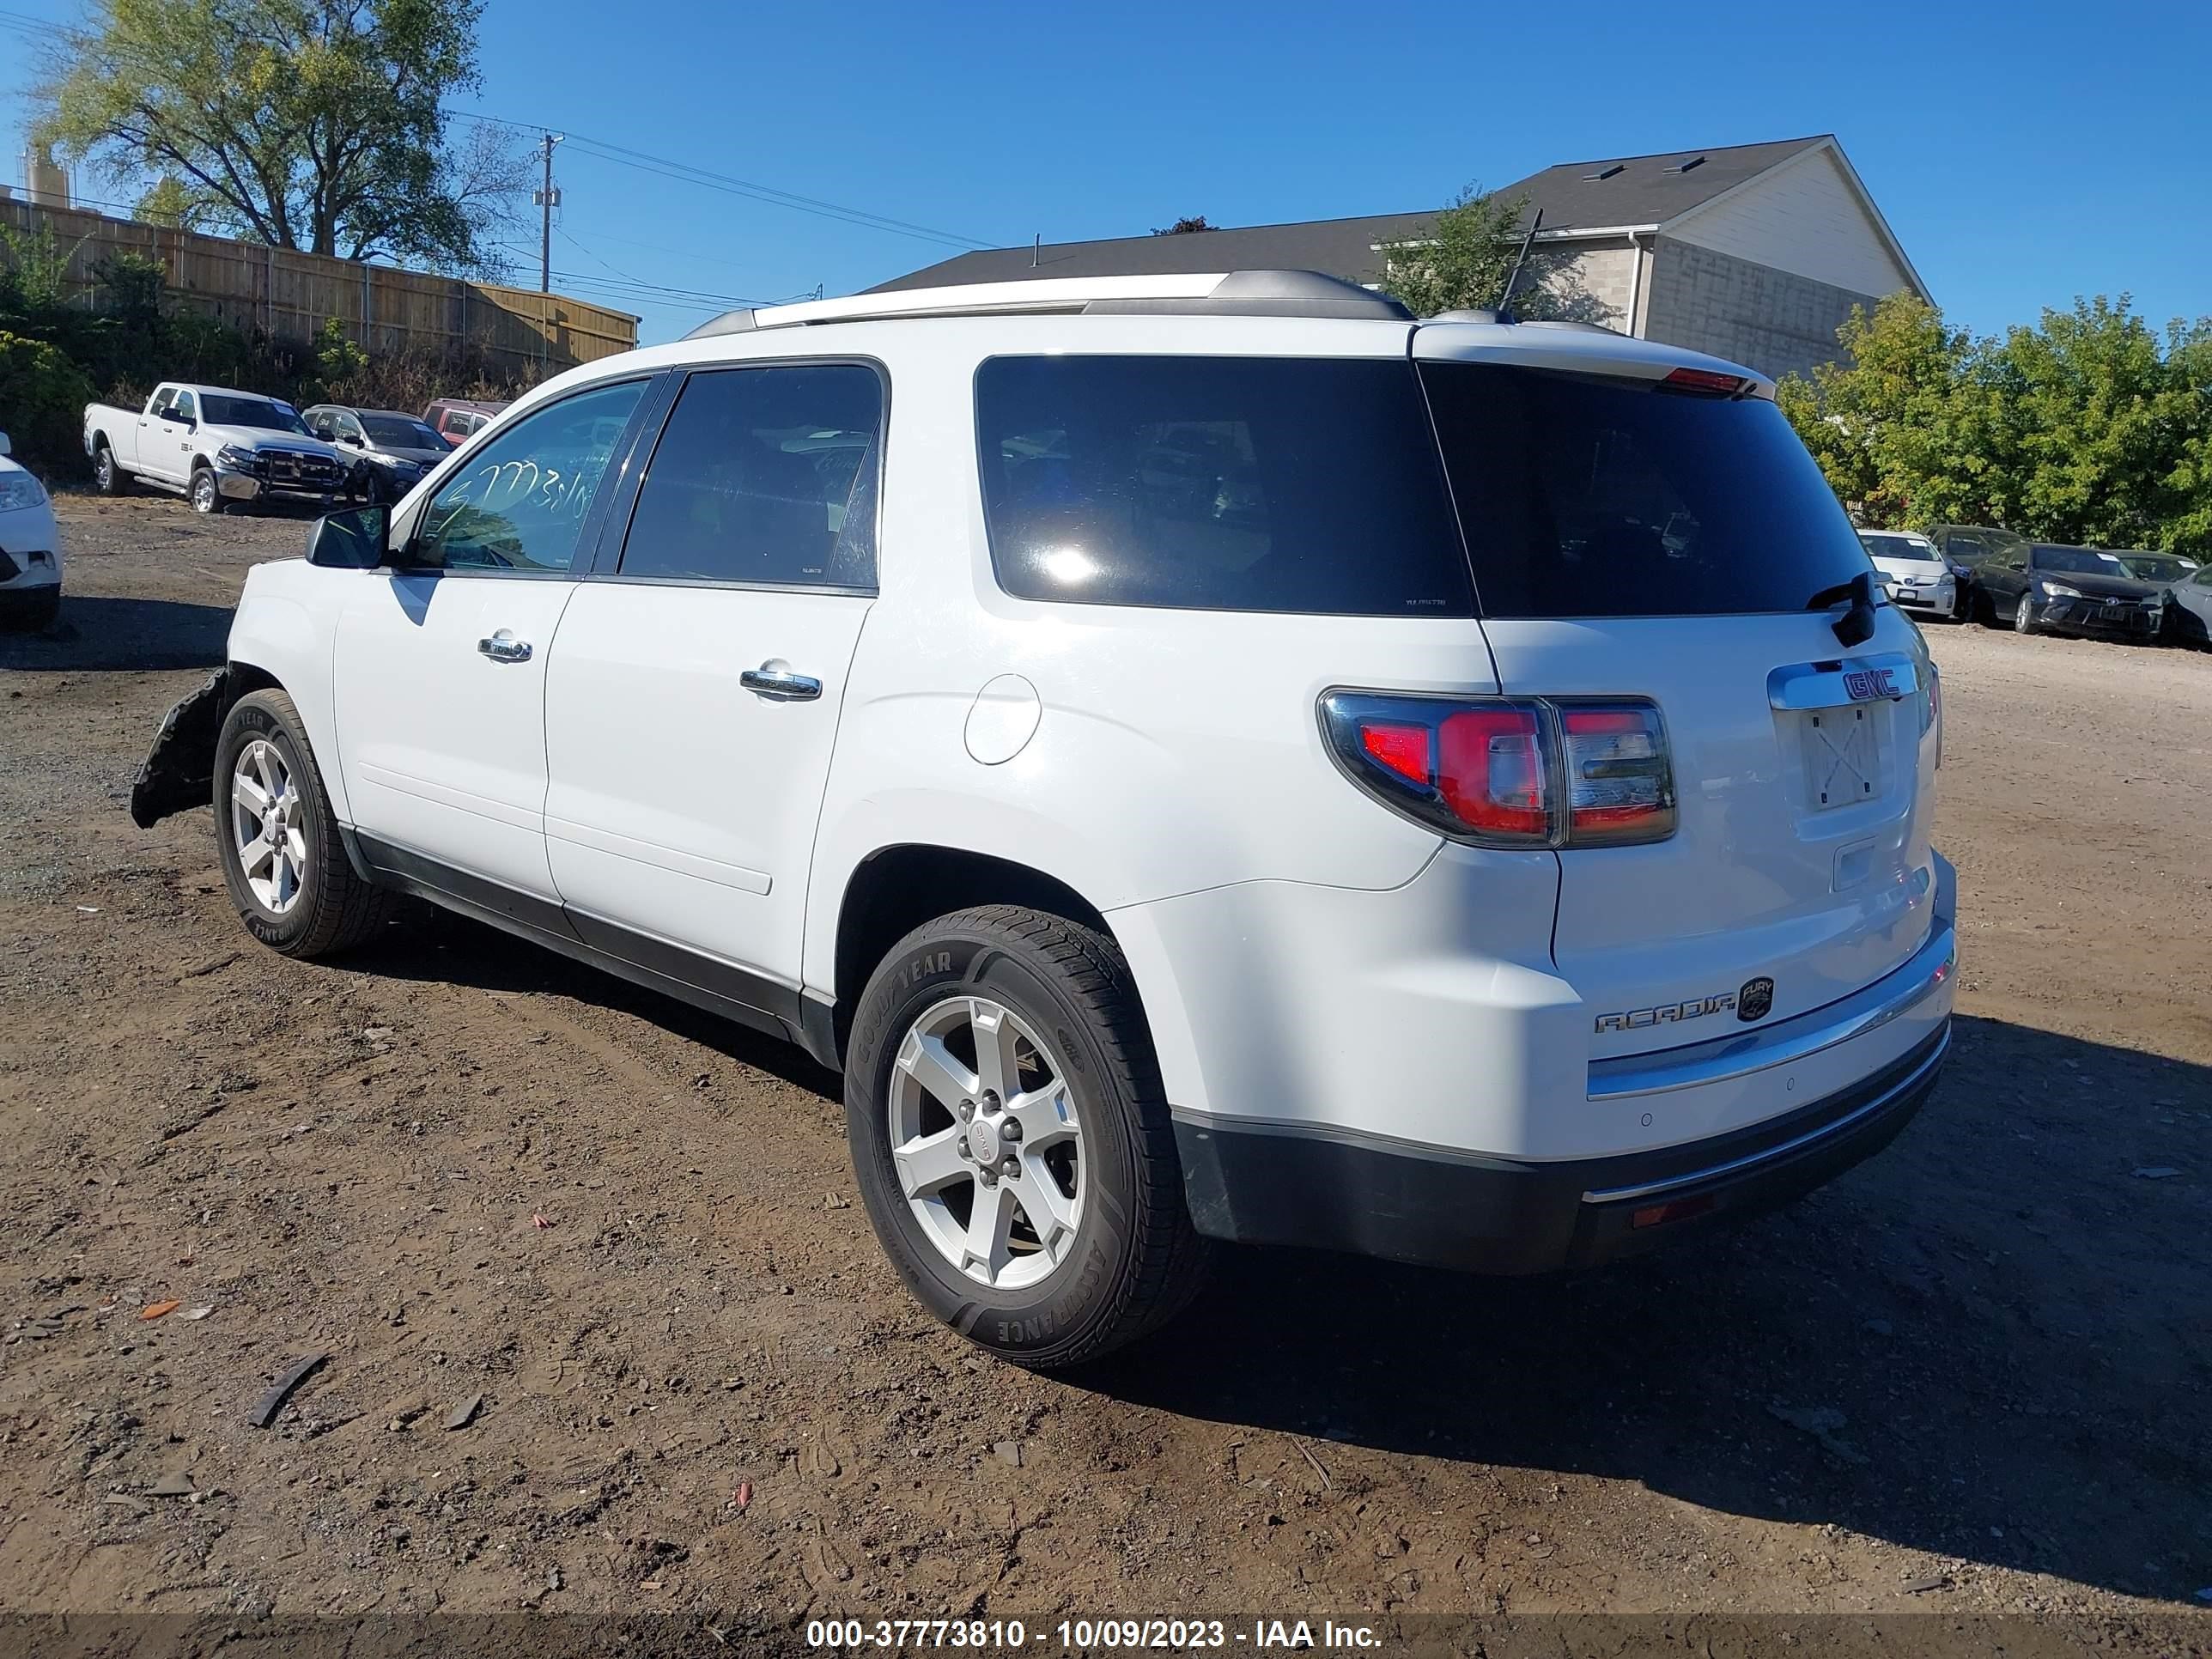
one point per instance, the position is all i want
(454, 418)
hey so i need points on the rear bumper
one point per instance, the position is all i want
(1337, 1191)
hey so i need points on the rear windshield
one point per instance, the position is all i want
(1598, 497)
(1240, 484)
(1911, 548)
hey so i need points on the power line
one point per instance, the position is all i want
(685, 172)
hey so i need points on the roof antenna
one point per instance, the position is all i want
(1036, 248)
(1505, 295)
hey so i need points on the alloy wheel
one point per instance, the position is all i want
(266, 819)
(987, 1143)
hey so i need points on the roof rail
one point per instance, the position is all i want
(1237, 294)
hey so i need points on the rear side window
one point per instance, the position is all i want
(1244, 483)
(764, 476)
(1584, 497)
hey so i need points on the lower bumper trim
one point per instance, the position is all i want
(1502, 1216)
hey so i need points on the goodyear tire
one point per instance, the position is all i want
(1012, 1140)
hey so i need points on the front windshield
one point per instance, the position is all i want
(400, 432)
(259, 413)
(1879, 545)
(2083, 561)
(2156, 566)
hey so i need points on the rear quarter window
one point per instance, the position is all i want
(1596, 496)
(1273, 484)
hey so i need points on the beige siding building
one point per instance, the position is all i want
(1755, 252)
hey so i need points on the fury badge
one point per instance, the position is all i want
(1756, 1000)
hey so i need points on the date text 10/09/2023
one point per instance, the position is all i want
(1093, 1635)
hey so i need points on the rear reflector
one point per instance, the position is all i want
(1509, 771)
(1681, 1209)
(1703, 382)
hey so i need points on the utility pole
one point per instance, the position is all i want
(547, 199)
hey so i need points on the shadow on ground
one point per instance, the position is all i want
(1989, 1342)
(98, 634)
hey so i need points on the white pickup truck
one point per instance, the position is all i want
(213, 446)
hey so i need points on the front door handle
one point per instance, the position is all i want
(773, 679)
(503, 646)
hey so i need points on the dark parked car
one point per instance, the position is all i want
(2188, 608)
(386, 452)
(454, 418)
(2071, 590)
(1965, 549)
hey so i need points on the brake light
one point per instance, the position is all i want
(1509, 771)
(1703, 382)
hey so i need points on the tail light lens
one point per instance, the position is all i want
(1509, 771)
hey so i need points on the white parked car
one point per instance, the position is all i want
(212, 445)
(1208, 757)
(30, 548)
(1914, 574)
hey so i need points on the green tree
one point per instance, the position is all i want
(1465, 260)
(1185, 225)
(2103, 424)
(313, 124)
(1900, 424)
(171, 202)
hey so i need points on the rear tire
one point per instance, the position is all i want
(321, 908)
(1113, 1255)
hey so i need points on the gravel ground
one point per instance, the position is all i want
(1972, 1376)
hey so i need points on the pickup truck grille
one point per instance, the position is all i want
(287, 466)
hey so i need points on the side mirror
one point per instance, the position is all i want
(359, 538)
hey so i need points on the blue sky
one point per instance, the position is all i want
(2023, 152)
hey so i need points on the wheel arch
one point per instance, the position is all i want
(895, 889)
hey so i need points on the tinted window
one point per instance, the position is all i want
(1908, 548)
(398, 430)
(764, 475)
(257, 412)
(2082, 561)
(1966, 549)
(1590, 497)
(1216, 483)
(521, 502)
(2203, 578)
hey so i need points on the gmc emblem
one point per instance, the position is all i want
(1865, 684)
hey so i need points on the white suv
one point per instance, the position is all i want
(1208, 757)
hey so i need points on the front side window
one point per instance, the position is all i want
(1585, 495)
(521, 501)
(1213, 483)
(764, 476)
(182, 404)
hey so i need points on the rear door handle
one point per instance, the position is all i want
(503, 646)
(773, 679)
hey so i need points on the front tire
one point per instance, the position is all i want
(2023, 616)
(108, 478)
(1011, 1139)
(205, 497)
(278, 839)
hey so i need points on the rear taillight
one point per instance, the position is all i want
(1509, 771)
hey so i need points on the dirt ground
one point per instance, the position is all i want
(1973, 1376)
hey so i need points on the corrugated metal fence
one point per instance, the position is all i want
(287, 295)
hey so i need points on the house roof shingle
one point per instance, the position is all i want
(1634, 190)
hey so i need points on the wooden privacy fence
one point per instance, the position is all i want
(291, 295)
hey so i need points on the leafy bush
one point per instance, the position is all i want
(43, 395)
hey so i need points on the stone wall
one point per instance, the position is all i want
(1769, 319)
